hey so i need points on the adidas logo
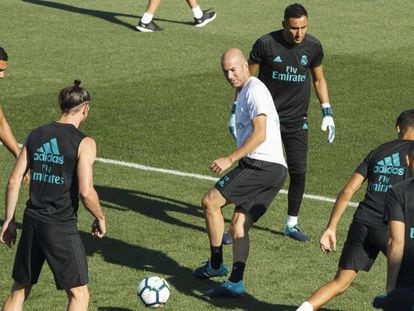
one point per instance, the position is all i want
(277, 59)
(390, 165)
(222, 181)
(49, 152)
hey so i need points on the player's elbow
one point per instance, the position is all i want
(13, 182)
(86, 193)
(396, 243)
(346, 193)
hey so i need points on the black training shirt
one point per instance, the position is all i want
(383, 167)
(52, 157)
(284, 69)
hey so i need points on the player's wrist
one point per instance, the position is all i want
(100, 217)
(326, 109)
(331, 228)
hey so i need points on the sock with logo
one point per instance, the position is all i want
(306, 306)
(197, 12)
(147, 18)
(216, 256)
(237, 272)
(291, 221)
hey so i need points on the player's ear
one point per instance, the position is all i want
(85, 109)
(398, 129)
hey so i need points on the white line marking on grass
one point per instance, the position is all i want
(203, 177)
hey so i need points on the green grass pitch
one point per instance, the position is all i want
(160, 100)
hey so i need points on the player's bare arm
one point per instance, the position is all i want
(7, 137)
(256, 138)
(87, 192)
(395, 252)
(320, 84)
(8, 231)
(328, 239)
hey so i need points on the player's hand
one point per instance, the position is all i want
(8, 234)
(220, 165)
(26, 179)
(328, 241)
(328, 122)
(98, 228)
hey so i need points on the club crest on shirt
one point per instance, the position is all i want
(239, 125)
(304, 60)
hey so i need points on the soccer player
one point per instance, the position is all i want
(6, 134)
(286, 60)
(399, 213)
(253, 184)
(368, 235)
(60, 159)
(201, 18)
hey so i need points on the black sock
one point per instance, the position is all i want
(237, 272)
(216, 256)
(295, 193)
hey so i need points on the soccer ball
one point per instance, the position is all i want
(153, 291)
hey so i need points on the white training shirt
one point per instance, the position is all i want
(255, 99)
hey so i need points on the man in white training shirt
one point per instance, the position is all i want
(253, 184)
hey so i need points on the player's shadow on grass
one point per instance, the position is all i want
(157, 207)
(150, 205)
(152, 261)
(111, 17)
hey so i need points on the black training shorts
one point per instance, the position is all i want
(59, 244)
(362, 246)
(252, 185)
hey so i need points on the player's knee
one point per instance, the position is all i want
(18, 294)
(237, 228)
(206, 203)
(21, 290)
(236, 231)
(342, 287)
(209, 204)
(342, 284)
(297, 178)
(79, 294)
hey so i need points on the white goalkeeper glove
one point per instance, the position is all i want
(232, 121)
(328, 122)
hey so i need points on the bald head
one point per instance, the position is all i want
(235, 67)
(233, 53)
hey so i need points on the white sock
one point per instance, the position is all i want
(291, 221)
(147, 18)
(197, 12)
(306, 306)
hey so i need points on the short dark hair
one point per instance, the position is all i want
(405, 120)
(295, 10)
(73, 96)
(3, 55)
